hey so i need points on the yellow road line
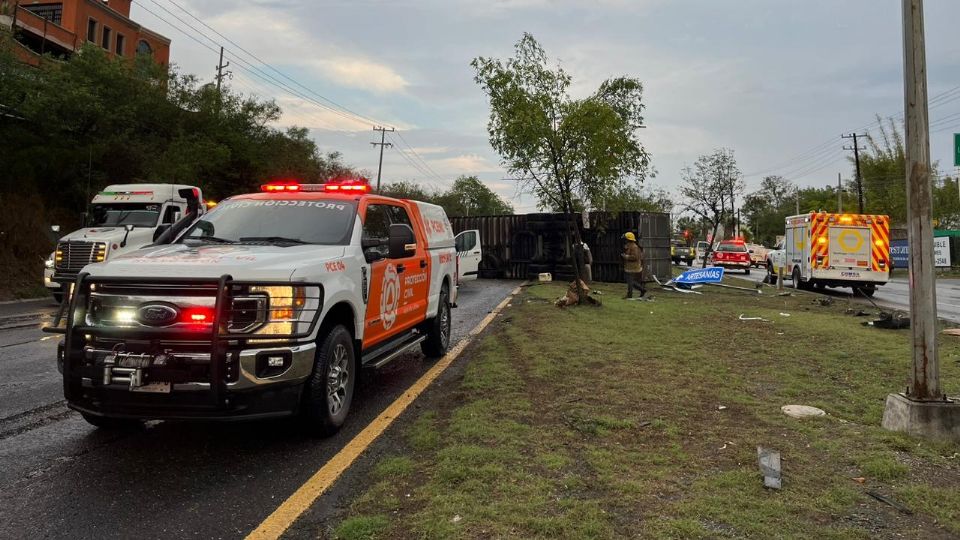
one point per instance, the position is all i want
(295, 505)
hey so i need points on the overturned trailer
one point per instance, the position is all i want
(523, 246)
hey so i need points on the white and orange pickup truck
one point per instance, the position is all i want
(266, 306)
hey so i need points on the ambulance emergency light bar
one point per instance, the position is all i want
(351, 185)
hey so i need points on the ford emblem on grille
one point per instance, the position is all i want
(156, 314)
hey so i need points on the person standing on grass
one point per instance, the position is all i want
(632, 265)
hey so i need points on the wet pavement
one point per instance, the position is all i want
(895, 294)
(62, 478)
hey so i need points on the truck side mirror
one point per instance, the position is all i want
(402, 241)
(369, 246)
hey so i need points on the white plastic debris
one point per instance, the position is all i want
(802, 411)
(784, 314)
(546, 276)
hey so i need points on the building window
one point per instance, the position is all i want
(144, 48)
(121, 41)
(107, 38)
(92, 30)
(50, 12)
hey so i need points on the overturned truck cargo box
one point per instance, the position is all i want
(524, 246)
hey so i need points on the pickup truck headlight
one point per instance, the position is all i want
(274, 310)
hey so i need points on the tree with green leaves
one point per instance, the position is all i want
(561, 148)
(470, 197)
(708, 187)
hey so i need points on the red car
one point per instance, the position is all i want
(731, 254)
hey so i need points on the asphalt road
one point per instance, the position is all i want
(62, 478)
(895, 294)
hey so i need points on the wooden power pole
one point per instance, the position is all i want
(856, 158)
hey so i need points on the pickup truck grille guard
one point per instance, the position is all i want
(219, 341)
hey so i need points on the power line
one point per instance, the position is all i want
(245, 65)
(419, 158)
(272, 68)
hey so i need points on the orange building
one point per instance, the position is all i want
(62, 27)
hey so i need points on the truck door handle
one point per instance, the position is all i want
(401, 268)
(423, 263)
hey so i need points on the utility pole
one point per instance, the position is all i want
(383, 135)
(220, 76)
(220, 73)
(924, 409)
(856, 158)
(839, 194)
(798, 202)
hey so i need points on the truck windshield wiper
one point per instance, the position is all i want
(213, 239)
(273, 240)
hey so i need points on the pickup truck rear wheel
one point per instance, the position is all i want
(112, 424)
(438, 328)
(329, 390)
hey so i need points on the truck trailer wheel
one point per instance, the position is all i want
(112, 424)
(329, 390)
(438, 329)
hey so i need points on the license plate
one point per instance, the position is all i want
(154, 388)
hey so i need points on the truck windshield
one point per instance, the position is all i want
(277, 221)
(118, 215)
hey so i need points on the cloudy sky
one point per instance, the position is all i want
(776, 81)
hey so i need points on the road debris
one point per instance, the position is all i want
(742, 318)
(890, 321)
(825, 301)
(769, 467)
(784, 314)
(721, 407)
(785, 294)
(952, 332)
(857, 312)
(802, 411)
(887, 500)
(456, 518)
(572, 296)
(859, 479)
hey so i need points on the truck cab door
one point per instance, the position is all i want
(399, 287)
(469, 253)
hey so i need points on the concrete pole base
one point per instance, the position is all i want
(927, 419)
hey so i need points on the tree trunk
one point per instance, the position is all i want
(713, 237)
(574, 237)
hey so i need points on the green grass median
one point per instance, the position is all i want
(642, 419)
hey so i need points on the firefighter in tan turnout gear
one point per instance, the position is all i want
(632, 265)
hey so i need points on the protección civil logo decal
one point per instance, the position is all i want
(389, 296)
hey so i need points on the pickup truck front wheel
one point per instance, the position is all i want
(329, 390)
(438, 328)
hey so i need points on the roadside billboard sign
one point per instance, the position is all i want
(941, 251)
(900, 252)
